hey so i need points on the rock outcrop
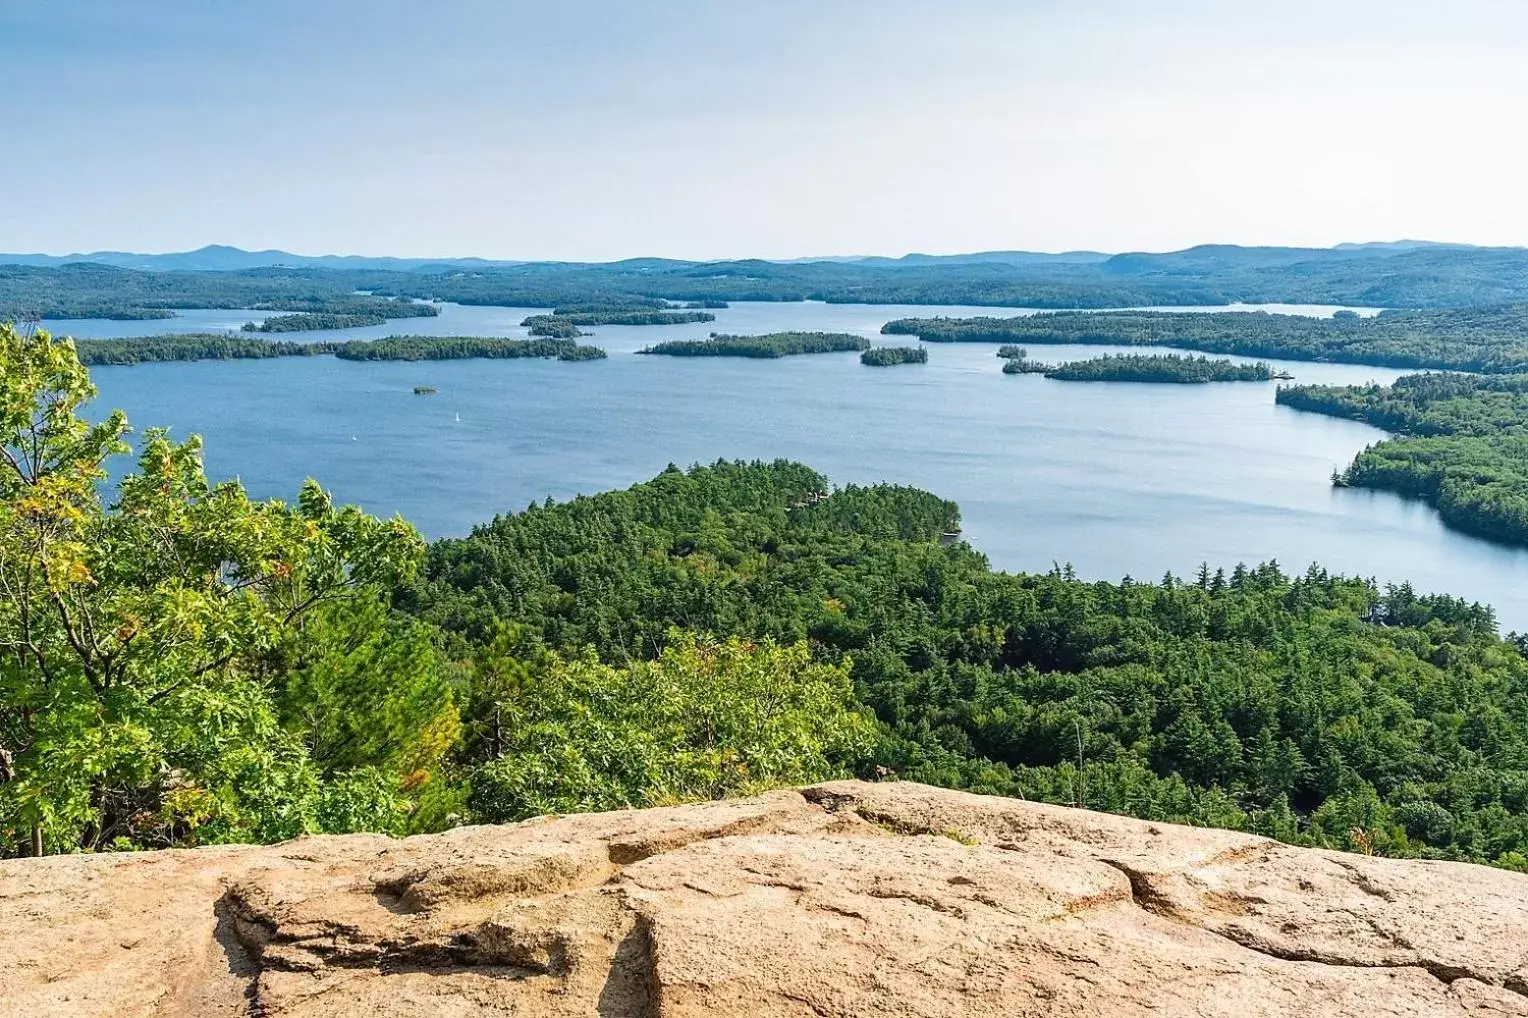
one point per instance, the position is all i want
(837, 900)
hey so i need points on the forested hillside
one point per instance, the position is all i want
(1312, 708)
(1463, 445)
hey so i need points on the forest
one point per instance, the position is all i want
(770, 345)
(1306, 707)
(1488, 339)
(1462, 445)
(713, 631)
(1170, 368)
(886, 356)
(217, 346)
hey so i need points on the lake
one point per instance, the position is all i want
(1113, 478)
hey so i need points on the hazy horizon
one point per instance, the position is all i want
(833, 256)
(597, 131)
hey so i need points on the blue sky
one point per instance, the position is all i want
(594, 129)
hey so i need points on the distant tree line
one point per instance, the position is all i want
(312, 322)
(640, 316)
(442, 348)
(1490, 339)
(774, 344)
(1426, 277)
(223, 346)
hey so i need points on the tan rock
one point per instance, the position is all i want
(845, 899)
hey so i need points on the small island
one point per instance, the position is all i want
(770, 345)
(1170, 368)
(1016, 362)
(886, 356)
(552, 327)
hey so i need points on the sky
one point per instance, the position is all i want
(604, 129)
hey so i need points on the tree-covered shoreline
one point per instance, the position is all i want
(230, 346)
(1490, 339)
(1462, 445)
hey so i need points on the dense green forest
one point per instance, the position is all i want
(1472, 339)
(1158, 368)
(312, 322)
(1463, 447)
(886, 356)
(1311, 707)
(774, 344)
(218, 346)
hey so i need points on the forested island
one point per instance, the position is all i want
(773, 344)
(1170, 368)
(1463, 445)
(446, 348)
(552, 327)
(191, 346)
(1016, 362)
(1489, 339)
(638, 316)
(886, 356)
(713, 630)
(306, 322)
(223, 346)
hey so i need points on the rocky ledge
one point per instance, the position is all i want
(844, 899)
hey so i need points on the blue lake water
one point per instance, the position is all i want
(1113, 478)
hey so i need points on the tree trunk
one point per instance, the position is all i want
(37, 840)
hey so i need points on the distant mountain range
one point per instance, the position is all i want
(223, 258)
